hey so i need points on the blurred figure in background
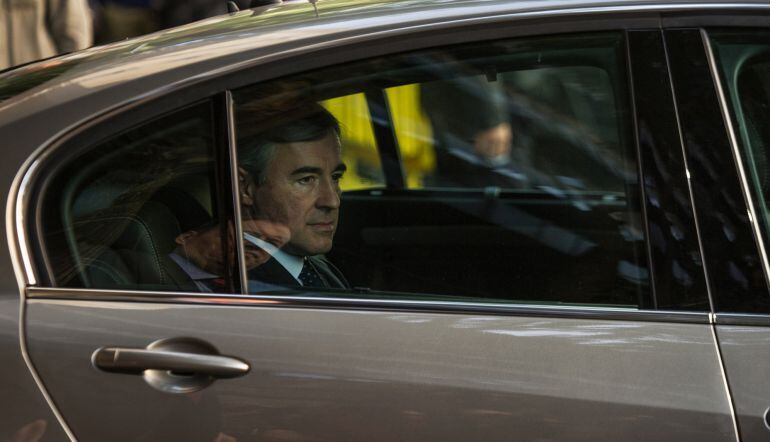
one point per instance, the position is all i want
(120, 19)
(172, 13)
(36, 29)
(472, 132)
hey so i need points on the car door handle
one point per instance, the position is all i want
(136, 361)
(177, 356)
(172, 365)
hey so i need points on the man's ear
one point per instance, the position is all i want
(247, 187)
(181, 239)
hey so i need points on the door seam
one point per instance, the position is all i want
(33, 371)
(723, 371)
(712, 316)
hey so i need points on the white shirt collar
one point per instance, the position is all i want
(292, 263)
(193, 271)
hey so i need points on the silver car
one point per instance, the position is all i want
(406, 220)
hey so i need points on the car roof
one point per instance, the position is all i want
(278, 25)
(275, 30)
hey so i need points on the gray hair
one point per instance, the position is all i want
(257, 151)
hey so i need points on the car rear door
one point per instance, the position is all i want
(598, 327)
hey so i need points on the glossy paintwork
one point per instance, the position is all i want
(330, 373)
(746, 352)
(414, 377)
(24, 414)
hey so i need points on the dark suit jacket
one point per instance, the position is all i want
(272, 272)
(269, 276)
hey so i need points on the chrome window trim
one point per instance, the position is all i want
(725, 381)
(15, 223)
(236, 189)
(295, 300)
(743, 319)
(745, 186)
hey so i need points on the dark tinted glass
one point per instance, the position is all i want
(548, 125)
(137, 211)
(743, 58)
(544, 210)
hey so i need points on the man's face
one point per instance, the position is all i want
(203, 248)
(301, 190)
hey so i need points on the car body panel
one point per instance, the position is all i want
(346, 370)
(24, 410)
(416, 376)
(746, 350)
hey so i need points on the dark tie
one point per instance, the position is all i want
(309, 277)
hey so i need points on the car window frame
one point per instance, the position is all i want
(734, 303)
(91, 135)
(393, 169)
(220, 84)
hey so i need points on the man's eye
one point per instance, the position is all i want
(306, 180)
(337, 176)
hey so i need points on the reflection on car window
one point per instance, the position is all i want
(531, 128)
(137, 211)
(352, 112)
(500, 171)
(745, 62)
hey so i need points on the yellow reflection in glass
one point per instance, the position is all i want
(359, 148)
(413, 132)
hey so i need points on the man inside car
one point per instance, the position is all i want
(289, 175)
(290, 198)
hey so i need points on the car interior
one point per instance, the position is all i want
(119, 208)
(571, 234)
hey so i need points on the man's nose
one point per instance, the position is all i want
(328, 195)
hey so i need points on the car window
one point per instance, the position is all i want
(535, 127)
(137, 210)
(542, 207)
(743, 59)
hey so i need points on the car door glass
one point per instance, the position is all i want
(551, 218)
(743, 59)
(552, 123)
(137, 210)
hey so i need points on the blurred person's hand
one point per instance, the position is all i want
(204, 247)
(273, 233)
(494, 144)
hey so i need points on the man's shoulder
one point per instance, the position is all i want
(321, 263)
(272, 272)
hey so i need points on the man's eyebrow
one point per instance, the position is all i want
(307, 169)
(317, 170)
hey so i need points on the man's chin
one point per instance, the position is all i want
(316, 248)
